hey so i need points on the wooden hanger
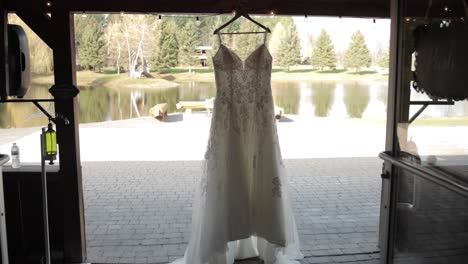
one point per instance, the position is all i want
(241, 13)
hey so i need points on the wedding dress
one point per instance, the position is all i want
(241, 208)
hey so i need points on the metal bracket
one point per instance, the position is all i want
(35, 102)
(425, 104)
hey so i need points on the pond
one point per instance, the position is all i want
(314, 99)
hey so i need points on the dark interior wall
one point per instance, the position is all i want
(24, 216)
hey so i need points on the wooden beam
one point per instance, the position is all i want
(39, 22)
(65, 91)
(4, 74)
(318, 8)
(345, 8)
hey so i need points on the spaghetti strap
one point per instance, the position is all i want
(219, 39)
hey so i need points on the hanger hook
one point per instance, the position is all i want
(241, 7)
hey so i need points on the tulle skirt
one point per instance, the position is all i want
(251, 248)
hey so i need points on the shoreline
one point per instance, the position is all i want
(181, 139)
(89, 79)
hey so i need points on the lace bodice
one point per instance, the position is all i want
(243, 103)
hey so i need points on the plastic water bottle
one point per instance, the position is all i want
(15, 159)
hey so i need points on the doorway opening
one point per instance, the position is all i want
(141, 166)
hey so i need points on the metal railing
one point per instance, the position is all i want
(440, 179)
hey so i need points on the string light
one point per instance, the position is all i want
(48, 3)
(84, 14)
(375, 21)
(122, 13)
(446, 9)
(159, 19)
(306, 18)
(272, 12)
(445, 23)
(198, 22)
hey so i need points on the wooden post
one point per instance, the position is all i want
(65, 91)
(3, 51)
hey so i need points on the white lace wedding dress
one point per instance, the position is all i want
(241, 208)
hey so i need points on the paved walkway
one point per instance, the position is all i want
(140, 212)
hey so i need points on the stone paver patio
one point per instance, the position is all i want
(140, 212)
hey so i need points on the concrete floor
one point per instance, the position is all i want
(140, 212)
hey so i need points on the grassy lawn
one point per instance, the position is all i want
(452, 121)
(301, 72)
(109, 78)
(335, 75)
(431, 122)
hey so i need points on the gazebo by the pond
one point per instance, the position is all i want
(423, 204)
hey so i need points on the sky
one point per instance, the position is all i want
(341, 29)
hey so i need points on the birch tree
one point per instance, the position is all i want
(130, 41)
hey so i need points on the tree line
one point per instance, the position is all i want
(141, 44)
(356, 56)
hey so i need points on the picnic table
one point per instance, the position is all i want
(208, 105)
(188, 106)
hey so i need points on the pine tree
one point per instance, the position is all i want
(189, 40)
(90, 49)
(357, 55)
(168, 47)
(382, 58)
(246, 43)
(216, 22)
(323, 54)
(279, 33)
(290, 48)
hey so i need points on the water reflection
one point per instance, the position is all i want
(26, 114)
(356, 98)
(308, 99)
(377, 106)
(323, 97)
(287, 95)
(102, 104)
(338, 109)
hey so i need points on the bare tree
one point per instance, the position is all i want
(133, 33)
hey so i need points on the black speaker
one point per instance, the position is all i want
(18, 59)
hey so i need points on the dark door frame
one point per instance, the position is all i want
(57, 31)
